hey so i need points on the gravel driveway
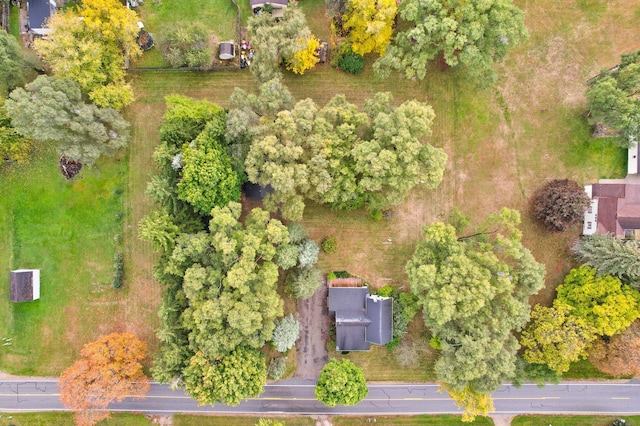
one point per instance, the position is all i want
(312, 354)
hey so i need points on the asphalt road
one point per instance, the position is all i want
(297, 397)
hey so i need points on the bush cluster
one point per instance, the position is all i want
(277, 367)
(405, 307)
(330, 244)
(346, 59)
(118, 270)
(188, 45)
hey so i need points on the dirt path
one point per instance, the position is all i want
(314, 320)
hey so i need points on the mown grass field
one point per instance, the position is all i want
(69, 231)
(572, 420)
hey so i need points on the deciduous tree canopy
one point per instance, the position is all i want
(613, 101)
(560, 204)
(621, 355)
(469, 33)
(370, 25)
(474, 293)
(88, 45)
(13, 146)
(220, 301)
(277, 39)
(108, 370)
(206, 178)
(232, 378)
(556, 338)
(604, 302)
(341, 383)
(51, 109)
(343, 157)
(11, 73)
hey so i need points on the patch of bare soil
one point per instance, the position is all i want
(312, 354)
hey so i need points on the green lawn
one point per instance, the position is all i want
(66, 419)
(424, 420)
(14, 21)
(572, 420)
(67, 230)
(194, 420)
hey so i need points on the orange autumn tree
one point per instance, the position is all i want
(108, 370)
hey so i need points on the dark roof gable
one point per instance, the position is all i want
(21, 286)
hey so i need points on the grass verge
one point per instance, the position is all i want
(194, 420)
(572, 420)
(66, 419)
(424, 420)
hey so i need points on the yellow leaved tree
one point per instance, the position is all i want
(89, 45)
(370, 25)
(305, 56)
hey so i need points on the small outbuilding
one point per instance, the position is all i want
(277, 6)
(25, 285)
(227, 50)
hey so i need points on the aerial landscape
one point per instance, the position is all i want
(320, 212)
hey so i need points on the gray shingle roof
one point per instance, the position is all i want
(21, 286)
(379, 310)
(361, 319)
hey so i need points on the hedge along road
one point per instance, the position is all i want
(297, 397)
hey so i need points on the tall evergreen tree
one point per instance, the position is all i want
(610, 256)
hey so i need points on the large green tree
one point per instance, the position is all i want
(470, 33)
(343, 157)
(276, 40)
(341, 382)
(193, 164)
(474, 293)
(206, 177)
(51, 109)
(11, 63)
(604, 302)
(220, 295)
(613, 101)
(230, 379)
(610, 256)
(88, 44)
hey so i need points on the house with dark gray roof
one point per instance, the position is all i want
(361, 318)
(39, 12)
(25, 285)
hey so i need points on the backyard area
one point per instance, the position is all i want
(503, 143)
(219, 17)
